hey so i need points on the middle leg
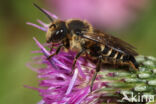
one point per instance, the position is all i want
(98, 67)
(75, 59)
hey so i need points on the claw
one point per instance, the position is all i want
(72, 71)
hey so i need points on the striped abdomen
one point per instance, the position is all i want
(116, 56)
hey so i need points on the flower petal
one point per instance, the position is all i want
(49, 13)
(46, 53)
(37, 26)
(72, 82)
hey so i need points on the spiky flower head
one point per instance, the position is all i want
(58, 86)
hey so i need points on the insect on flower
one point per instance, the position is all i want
(80, 36)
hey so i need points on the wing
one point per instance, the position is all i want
(111, 41)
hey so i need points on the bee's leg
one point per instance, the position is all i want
(51, 48)
(132, 65)
(98, 67)
(56, 52)
(75, 59)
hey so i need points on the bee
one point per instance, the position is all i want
(80, 36)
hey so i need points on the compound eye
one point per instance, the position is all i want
(58, 35)
(57, 32)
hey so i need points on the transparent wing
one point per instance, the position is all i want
(111, 41)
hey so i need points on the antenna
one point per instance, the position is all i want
(43, 11)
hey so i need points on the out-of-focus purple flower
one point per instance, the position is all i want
(110, 14)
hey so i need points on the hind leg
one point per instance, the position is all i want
(133, 66)
(129, 64)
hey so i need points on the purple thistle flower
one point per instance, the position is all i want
(61, 87)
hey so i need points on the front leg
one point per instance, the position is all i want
(75, 59)
(51, 48)
(56, 52)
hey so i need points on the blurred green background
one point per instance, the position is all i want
(16, 45)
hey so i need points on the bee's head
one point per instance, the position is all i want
(57, 31)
